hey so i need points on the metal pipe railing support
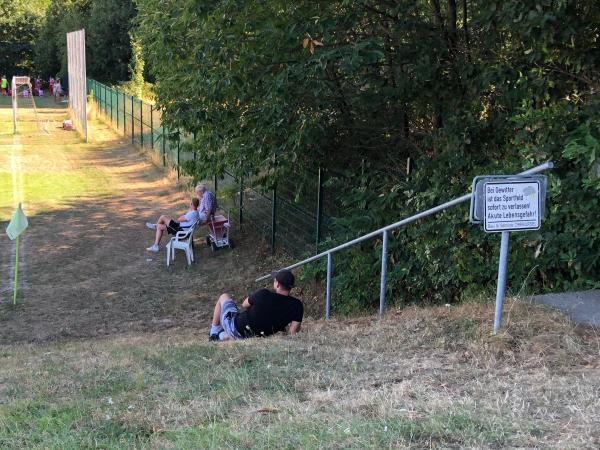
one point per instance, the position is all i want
(328, 293)
(384, 251)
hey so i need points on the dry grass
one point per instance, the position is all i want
(84, 267)
(419, 378)
(124, 372)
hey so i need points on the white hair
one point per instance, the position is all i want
(200, 188)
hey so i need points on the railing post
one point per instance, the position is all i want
(319, 209)
(384, 251)
(132, 123)
(111, 106)
(141, 124)
(274, 219)
(328, 292)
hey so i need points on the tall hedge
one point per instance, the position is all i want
(462, 88)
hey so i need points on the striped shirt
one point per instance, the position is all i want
(208, 205)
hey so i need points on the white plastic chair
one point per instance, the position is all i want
(183, 240)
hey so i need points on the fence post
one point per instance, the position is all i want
(194, 154)
(163, 145)
(151, 128)
(178, 142)
(142, 124)
(111, 106)
(274, 220)
(384, 252)
(117, 110)
(124, 117)
(240, 214)
(319, 209)
(328, 292)
(132, 123)
(215, 181)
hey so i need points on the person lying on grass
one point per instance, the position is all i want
(264, 312)
(166, 223)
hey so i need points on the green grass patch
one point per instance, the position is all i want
(25, 103)
(44, 191)
(70, 425)
(293, 431)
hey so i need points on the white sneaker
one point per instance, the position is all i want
(153, 248)
(152, 226)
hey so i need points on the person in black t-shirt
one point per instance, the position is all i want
(264, 312)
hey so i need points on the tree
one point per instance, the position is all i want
(20, 22)
(108, 43)
(107, 24)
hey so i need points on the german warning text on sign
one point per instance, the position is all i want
(512, 205)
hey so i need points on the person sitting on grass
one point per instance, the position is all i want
(208, 203)
(166, 223)
(264, 312)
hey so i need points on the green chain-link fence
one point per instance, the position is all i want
(297, 220)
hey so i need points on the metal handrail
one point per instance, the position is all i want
(384, 231)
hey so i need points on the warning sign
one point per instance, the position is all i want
(512, 205)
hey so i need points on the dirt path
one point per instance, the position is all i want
(85, 270)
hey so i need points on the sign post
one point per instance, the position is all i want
(505, 204)
(501, 286)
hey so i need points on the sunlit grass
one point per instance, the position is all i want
(45, 170)
(46, 191)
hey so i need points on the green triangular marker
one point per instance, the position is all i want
(17, 225)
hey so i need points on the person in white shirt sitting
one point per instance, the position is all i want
(166, 223)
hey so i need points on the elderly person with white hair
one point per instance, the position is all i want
(208, 203)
